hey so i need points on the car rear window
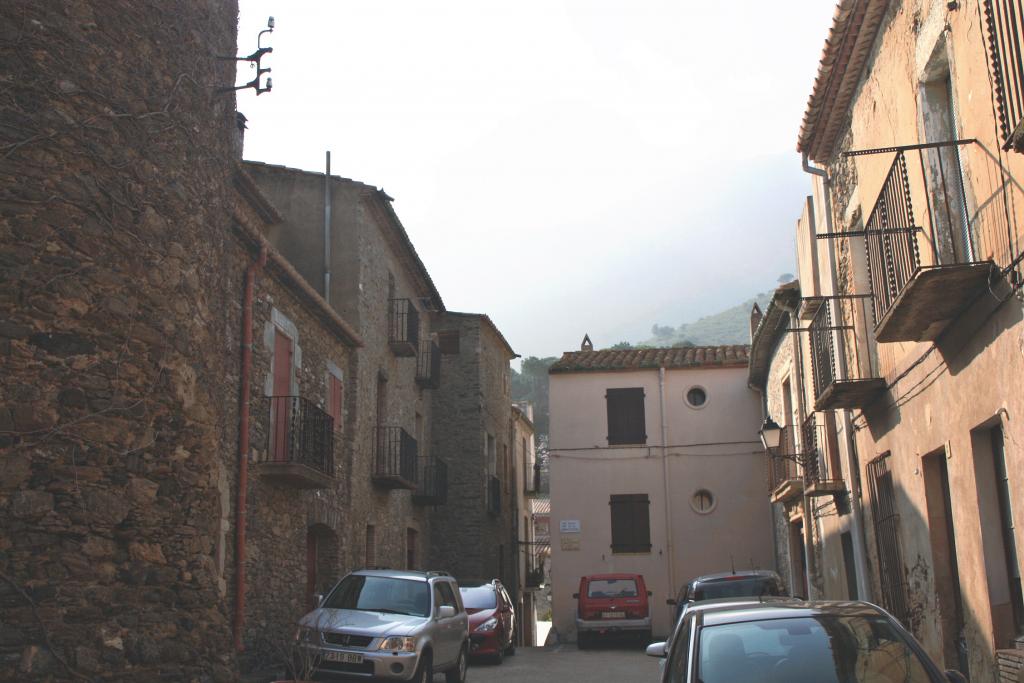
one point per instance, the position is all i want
(612, 588)
(479, 597)
(819, 649)
(736, 588)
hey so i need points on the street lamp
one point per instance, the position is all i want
(771, 434)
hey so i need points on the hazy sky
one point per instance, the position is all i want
(565, 166)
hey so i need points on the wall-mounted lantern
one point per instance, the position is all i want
(771, 434)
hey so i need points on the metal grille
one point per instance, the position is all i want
(823, 356)
(300, 433)
(432, 481)
(1004, 21)
(428, 364)
(396, 454)
(404, 322)
(887, 537)
(783, 462)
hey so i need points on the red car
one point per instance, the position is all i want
(611, 604)
(492, 620)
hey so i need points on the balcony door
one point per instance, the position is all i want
(284, 354)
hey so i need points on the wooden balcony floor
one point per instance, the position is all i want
(849, 394)
(931, 300)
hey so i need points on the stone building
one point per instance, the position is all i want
(473, 536)
(910, 323)
(653, 453)
(529, 556)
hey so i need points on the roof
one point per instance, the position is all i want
(716, 613)
(846, 51)
(395, 232)
(489, 323)
(742, 572)
(612, 360)
(541, 506)
(772, 326)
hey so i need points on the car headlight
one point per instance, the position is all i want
(304, 634)
(399, 644)
(488, 625)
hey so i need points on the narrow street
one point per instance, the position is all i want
(567, 664)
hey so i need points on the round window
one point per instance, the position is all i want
(696, 397)
(703, 502)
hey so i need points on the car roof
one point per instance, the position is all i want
(763, 573)
(604, 577)
(408, 574)
(718, 612)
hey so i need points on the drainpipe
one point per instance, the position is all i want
(243, 444)
(327, 230)
(669, 546)
(857, 523)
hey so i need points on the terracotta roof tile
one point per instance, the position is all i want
(652, 359)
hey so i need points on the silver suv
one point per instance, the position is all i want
(392, 625)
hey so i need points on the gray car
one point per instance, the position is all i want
(389, 625)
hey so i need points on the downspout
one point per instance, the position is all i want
(857, 523)
(669, 547)
(243, 444)
(327, 230)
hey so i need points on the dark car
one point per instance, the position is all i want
(742, 584)
(794, 641)
(492, 620)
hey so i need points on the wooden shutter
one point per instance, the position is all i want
(336, 400)
(631, 524)
(626, 418)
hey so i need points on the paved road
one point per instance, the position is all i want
(566, 664)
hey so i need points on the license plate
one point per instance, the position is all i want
(343, 657)
(613, 615)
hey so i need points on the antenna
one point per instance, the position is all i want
(254, 61)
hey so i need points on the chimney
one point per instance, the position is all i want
(587, 345)
(755, 319)
(240, 127)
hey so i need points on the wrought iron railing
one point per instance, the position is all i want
(396, 455)
(493, 495)
(886, 520)
(784, 461)
(537, 553)
(428, 364)
(820, 457)
(1004, 23)
(431, 481)
(841, 341)
(300, 433)
(403, 323)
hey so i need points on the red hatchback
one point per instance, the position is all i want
(492, 620)
(612, 603)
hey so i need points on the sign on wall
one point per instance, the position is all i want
(569, 526)
(570, 542)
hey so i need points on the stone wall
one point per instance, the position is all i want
(115, 372)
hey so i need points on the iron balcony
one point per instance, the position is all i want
(432, 481)
(428, 365)
(785, 479)
(843, 363)
(300, 444)
(403, 327)
(394, 462)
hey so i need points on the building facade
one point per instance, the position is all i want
(910, 318)
(653, 453)
(529, 555)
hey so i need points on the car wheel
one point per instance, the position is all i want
(499, 655)
(457, 674)
(425, 672)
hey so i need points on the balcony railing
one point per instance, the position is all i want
(785, 478)
(843, 365)
(823, 474)
(1004, 23)
(924, 273)
(403, 327)
(394, 463)
(493, 495)
(428, 365)
(300, 443)
(432, 481)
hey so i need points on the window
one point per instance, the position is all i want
(626, 422)
(444, 595)
(1004, 22)
(448, 341)
(631, 524)
(410, 549)
(371, 549)
(492, 456)
(696, 397)
(703, 502)
(886, 520)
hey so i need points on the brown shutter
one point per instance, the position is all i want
(631, 526)
(626, 418)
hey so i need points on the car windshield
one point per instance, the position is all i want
(736, 588)
(479, 597)
(819, 649)
(381, 594)
(611, 588)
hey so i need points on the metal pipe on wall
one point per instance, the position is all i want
(327, 230)
(669, 546)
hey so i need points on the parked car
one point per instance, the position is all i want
(392, 625)
(794, 641)
(747, 583)
(492, 620)
(612, 604)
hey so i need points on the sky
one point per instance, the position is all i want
(565, 166)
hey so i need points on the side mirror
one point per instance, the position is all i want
(670, 601)
(656, 650)
(445, 612)
(955, 677)
(318, 599)
(576, 595)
